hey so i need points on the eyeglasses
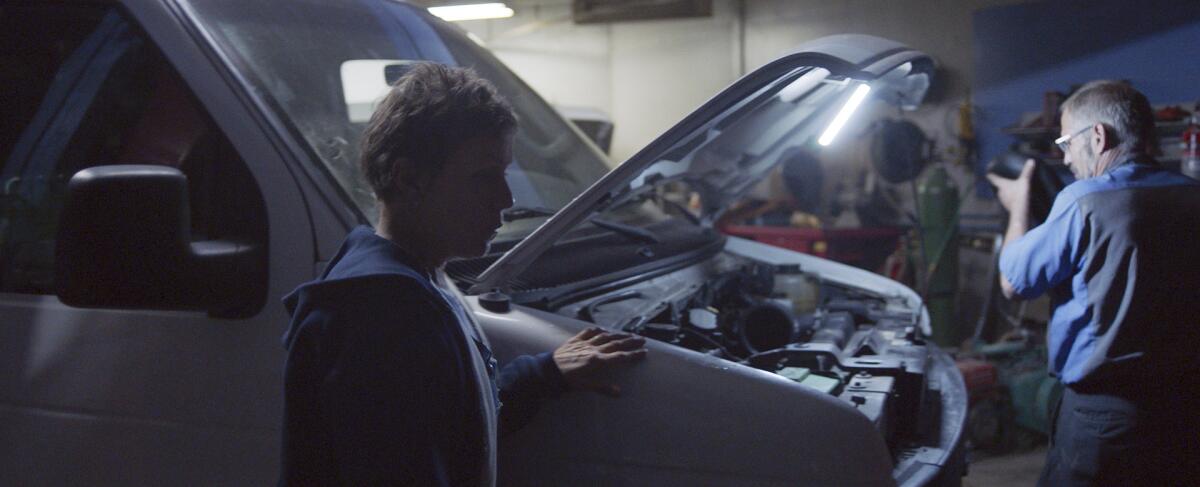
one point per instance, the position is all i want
(1064, 142)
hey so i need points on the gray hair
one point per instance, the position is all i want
(1124, 111)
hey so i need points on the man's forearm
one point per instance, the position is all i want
(1014, 197)
(1018, 225)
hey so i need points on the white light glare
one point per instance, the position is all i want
(474, 11)
(848, 109)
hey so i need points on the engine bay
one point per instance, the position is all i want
(862, 348)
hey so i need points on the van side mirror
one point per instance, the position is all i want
(124, 241)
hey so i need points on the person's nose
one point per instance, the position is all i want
(504, 197)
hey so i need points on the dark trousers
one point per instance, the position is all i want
(1104, 439)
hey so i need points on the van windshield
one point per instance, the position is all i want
(320, 64)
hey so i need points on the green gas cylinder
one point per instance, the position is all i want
(938, 216)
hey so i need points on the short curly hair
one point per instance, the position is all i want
(429, 110)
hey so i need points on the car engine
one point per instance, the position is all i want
(862, 348)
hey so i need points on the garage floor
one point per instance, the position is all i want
(1017, 469)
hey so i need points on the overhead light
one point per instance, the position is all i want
(847, 110)
(474, 11)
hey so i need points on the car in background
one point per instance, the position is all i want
(174, 167)
(595, 124)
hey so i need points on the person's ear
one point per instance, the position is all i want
(406, 187)
(1100, 138)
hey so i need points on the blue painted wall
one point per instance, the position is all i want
(1022, 51)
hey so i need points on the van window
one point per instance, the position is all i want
(297, 59)
(82, 87)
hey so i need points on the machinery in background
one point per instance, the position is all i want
(1011, 394)
(1032, 391)
(865, 248)
(791, 222)
(937, 210)
(899, 150)
(900, 153)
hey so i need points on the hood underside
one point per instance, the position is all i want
(732, 141)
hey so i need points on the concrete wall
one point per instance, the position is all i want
(567, 64)
(646, 75)
(662, 70)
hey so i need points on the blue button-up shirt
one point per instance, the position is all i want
(1100, 256)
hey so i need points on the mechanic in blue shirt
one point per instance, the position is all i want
(1117, 254)
(388, 380)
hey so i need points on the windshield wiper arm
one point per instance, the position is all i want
(630, 231)
(683, 210)
(524, 212)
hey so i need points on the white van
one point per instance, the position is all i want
(140, 314)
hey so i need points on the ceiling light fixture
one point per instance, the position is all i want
(474, 11)
(844, 114)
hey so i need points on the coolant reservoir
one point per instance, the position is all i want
(798, 287)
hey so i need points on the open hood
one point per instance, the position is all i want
(723, 148)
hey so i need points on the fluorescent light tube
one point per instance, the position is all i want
(474, 11)
(847, 110)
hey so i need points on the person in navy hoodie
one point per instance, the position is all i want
(388, 380)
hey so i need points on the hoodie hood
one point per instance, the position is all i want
(364, 258)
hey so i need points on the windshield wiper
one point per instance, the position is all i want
(683, 210)
(525, 212)
(630, 231)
